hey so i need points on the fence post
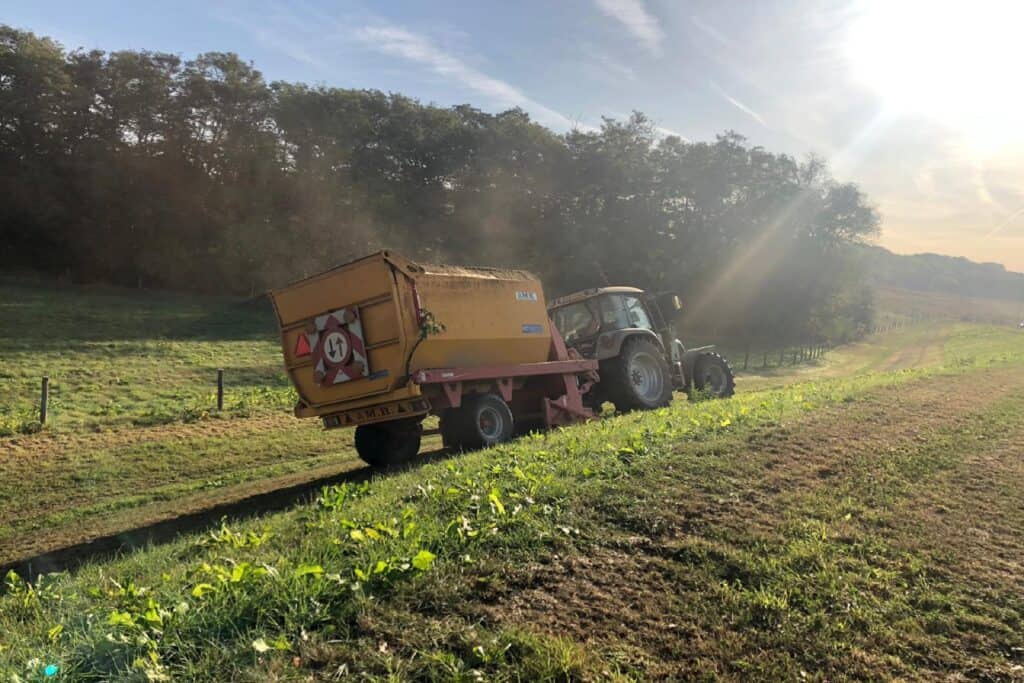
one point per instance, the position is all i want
(746, 358)
(220, 389)
(44, 399)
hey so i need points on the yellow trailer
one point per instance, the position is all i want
(383, 341)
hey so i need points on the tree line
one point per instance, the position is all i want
(146, 169)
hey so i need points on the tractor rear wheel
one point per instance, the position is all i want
(388, 444)
(638, 378)
(713, 376)
(482, 421)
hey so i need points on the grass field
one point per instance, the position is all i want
(115, 357)
(860, 518)
(133, 436)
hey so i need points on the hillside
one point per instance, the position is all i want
(905, 304)
(948, 275)
(855, 517)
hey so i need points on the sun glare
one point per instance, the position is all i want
(958, 63)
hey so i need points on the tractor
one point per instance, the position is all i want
(641, 362)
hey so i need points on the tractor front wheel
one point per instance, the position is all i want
(388, 444)
(713, 376)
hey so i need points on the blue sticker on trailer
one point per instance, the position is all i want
(533, 329)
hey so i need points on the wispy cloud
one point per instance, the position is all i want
(739, 105)
(1009, 219)
(710, 31)
(607, 69)
(633, 15)
(398, 42)
(281, 31)
(668, 132)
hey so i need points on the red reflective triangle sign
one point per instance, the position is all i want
(302, 346)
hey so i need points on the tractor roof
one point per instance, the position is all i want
(590, 294)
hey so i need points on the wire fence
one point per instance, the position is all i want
(781, 357)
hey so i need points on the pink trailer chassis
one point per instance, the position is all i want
(548, 393)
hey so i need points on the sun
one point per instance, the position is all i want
(958, 63)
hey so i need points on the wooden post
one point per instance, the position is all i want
(44, 400)
(746, 358)
(220, 389)
(764, 363)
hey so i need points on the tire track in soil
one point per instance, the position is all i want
(914, 355)
(622, 593)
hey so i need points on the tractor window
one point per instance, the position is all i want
(575, 321)
(637, 313)
(621, 311)
(613, 314)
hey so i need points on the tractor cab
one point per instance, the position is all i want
(585, 317)
(628, 331)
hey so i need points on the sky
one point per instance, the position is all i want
(917, 102)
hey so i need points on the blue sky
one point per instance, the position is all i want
(870, 88)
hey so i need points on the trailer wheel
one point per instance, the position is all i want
(639, 378)
(387, 444)
(713, 376)
(482, 421)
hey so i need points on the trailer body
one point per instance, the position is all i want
(386, 340)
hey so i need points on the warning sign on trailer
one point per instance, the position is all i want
(336, 347)
(339, 350)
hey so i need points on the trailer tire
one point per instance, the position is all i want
(638, 378)
(388, 444)
(482, 421)
(713, 376)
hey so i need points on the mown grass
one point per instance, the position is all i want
(840, 576)
(117, 357)
(390, 579)
(88, 489)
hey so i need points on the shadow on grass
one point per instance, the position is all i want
(112, 545)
